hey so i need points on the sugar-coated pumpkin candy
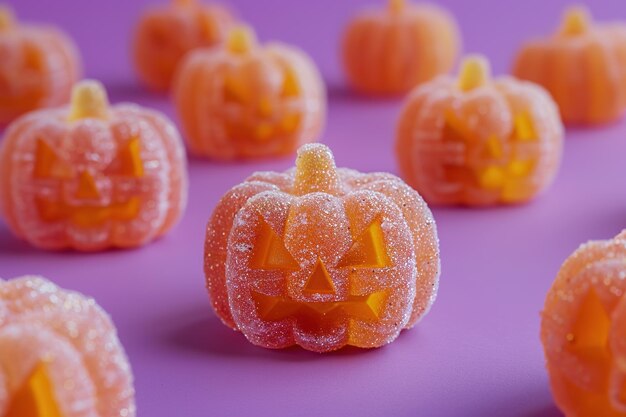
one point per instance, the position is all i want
(583, 65)
(39, 65)
(477, 141)
(583, 330)
(92, 176)
(391, 50)
(59, 355)
(321, 257)
(166, 33)
(245, 100)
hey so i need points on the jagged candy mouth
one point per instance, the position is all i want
(364, 307)
(88, 215)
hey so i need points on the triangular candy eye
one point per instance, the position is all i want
(368, 251)
(270, 251)
(48, 164)
(290, 85)
(590, 333)
(523, 127)
(129, 157)
(35, 398)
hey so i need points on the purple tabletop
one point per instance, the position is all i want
(476, 354)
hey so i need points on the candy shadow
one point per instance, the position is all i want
(546, 411)
(207, 335)
(341, 92)
(9, 244)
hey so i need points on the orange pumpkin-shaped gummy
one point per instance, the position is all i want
(477, 141)
(321, 257)
(92, 176)
(391, 51)
(583, 330)
(39, 65)
(165, 34)
(245, 100)
(59, 355)
(583, 66)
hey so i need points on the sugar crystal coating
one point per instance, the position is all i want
(321, 257)
(92, 176)
(473, 141)
(59, 354)
(583, 331)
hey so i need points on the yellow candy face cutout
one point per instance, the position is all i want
(367, 251)
(35, 398)
(84, 196)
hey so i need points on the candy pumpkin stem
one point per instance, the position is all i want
(7, 18)
(396, 6)
(241, 39)
(576, 21)
(89, 100)
(315, 170)
(475, 72)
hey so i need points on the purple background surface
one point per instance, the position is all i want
(476, 354)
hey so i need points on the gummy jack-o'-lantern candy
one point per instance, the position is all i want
(475, 141)
(59, 355)
(583, 330)
(166, 33)
(321, 257)
(583, 66)
(39, 65)
(92, 176)
(391, 51)
(244, 100)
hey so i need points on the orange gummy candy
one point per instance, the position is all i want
(244, 100)
(321, 257)
(477, 141)
(38, 68)
(583, 330)
(392, 50)
(59, 355)
(165, 34)
(92, 176)
(583, 66)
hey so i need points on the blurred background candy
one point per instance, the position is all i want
(165, 33)
(92, 176)
(247, 100)
(583, 66)
(38, 66)
(393, 49)
(321, 257)
(59, 355)
(583, 330)
(476, 141)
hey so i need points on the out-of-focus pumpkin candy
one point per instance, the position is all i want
(476, 141)
(246, 100)
(166, 33)
(392, 50)
(39, 66)
(583, 66)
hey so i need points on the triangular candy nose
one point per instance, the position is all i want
(35, 398)
(87, 188)
(319, 282)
